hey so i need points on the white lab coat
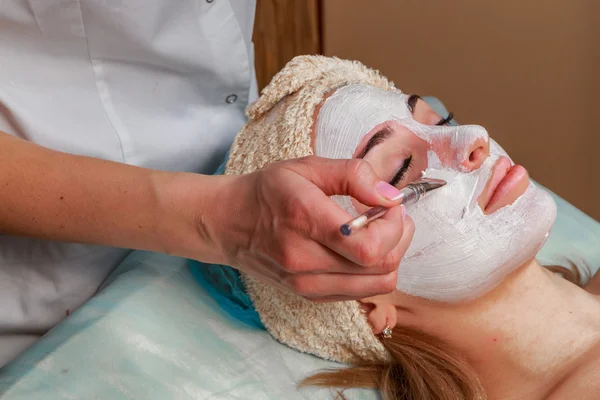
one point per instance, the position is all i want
(153, 83)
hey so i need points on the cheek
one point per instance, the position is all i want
(497, 150)
(420, 164)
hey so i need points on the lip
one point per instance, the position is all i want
(507, 183)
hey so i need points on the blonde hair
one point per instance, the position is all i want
(421, 367)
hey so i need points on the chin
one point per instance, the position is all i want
(460, 260)
(540, 230)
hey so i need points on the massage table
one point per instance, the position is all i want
(152, 332)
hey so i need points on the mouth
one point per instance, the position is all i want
(507, 183)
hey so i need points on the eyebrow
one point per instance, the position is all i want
(378, 138)
(385, 132)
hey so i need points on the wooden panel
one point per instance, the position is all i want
(284, 29)
(526, 70)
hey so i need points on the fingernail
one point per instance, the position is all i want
(386, 190)
(403, 210)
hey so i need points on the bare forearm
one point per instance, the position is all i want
(57, 196)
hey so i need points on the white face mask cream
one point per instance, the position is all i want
(457, 253)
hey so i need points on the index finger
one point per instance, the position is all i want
(366, 247)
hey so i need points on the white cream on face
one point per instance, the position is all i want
(457, 252)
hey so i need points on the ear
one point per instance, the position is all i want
(380, 311)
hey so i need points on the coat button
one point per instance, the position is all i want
(231, 98)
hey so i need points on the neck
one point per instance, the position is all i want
(526, 338)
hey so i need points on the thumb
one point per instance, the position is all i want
(352, 177)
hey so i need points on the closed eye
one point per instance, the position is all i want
(447, 120)
(401, 173)
(412, 102)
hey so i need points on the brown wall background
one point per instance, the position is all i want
(529, 71)
(284, 29)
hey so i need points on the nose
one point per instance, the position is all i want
(463, 148)
(470, 147)
(476, 154)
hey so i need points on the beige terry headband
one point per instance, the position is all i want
(279, 128)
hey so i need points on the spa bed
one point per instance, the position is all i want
(152, 332)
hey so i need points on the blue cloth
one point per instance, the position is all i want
(225, 285)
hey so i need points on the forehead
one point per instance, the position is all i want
(360, 107)
(357, 108)
(365, 102)
(351, 112)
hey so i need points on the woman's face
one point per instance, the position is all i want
(400, 157)
(469, 235)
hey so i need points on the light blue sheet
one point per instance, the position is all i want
(153, 333)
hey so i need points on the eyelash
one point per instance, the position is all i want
(412, 101)
(446, 121)
(401, 173)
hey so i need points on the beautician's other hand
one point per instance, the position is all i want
(279, 225)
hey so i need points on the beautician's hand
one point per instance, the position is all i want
(279, 225)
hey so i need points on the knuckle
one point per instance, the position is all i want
(388, 283)
(310, 159)
(399, 230)
(300, 218)
(368, 252)
(391, 261)
(300, 286)
(359, 168)
(294, 263)
(290, 263)
(309, 229)
(295, 207)
(271, 173)
(384, 285)
(296, 215)
(408, 227)
(305, 165)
